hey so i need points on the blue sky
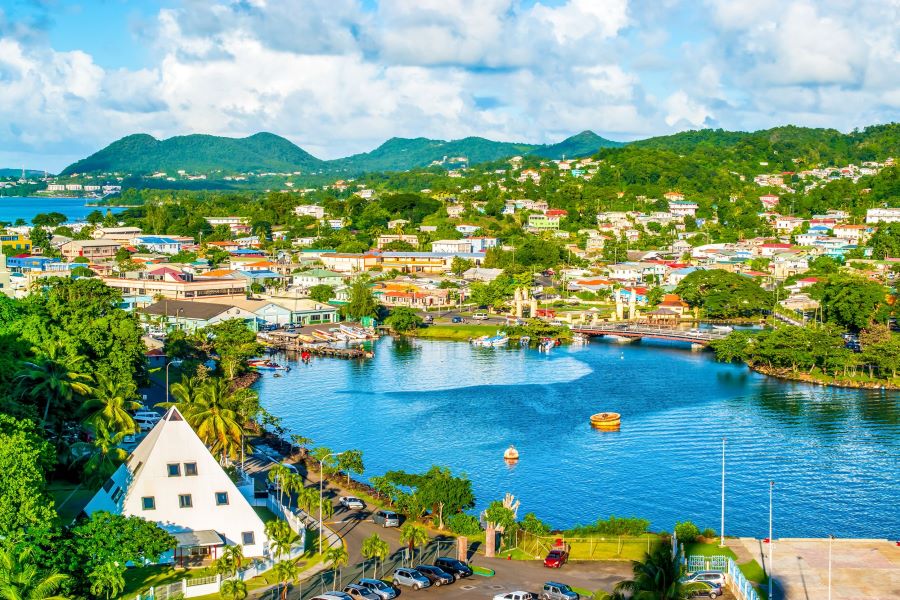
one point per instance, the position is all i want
(341, 76)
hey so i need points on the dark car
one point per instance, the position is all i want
(436, 575)
(457, 568)
(703, 589)
(456, 320)
(556, 558)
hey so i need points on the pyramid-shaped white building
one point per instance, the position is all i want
(171, 478)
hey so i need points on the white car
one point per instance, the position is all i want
(515, 596)
(480, 316)
(146, 419)
(351, 502)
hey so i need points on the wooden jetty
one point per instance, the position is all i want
(291, 342)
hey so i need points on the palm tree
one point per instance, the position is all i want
(413, 535)
(110, 403)
(277, 474)
(231, 561)
(286, 571)
(107, 580)
(375, 547)
(20, 578)
(283, 538)
(233, 589)
(338, 557)
(657, 577)
(187, 390)
(214, 413)
(104, 454)
(55, 377)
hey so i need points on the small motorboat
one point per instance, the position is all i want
(511, 454)
(266, 365)
(606, 421)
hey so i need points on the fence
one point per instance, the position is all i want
(611, 547)
(735, 578)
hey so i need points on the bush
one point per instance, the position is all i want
(613, 526)
(709, 533)
(463, 524)
(687, 532)
(533, 525)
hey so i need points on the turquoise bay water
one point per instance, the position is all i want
(13, 208)
(832, 453)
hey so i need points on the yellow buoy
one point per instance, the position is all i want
(606, 421)
(511, 454)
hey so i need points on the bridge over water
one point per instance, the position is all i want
(638, 331)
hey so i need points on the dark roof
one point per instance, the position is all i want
(186, 309)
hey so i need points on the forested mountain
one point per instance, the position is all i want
(582, 144)
(13, 172)
(143, 154)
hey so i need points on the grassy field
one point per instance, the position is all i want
(589, 547)
(456, 332)
(140, 579)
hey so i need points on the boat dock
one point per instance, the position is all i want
(292, 342)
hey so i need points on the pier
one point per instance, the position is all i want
(291, 342)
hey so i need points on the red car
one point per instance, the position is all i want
(556, 558)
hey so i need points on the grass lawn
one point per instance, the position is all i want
(138, 580)
(265, 514)
(591, 548)
(456, 332)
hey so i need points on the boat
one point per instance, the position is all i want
(524, 341)
(306, 338)
(491, 341)
(322, 336)
(511, 454)
(606, 421)
(722, 328)
(546, 345)
(354, 332)
(266, 365)
(580, 338)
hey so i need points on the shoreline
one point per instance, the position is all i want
(800, 377)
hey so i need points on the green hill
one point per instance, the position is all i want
(141, 154)
(18, 173)
(585, 143)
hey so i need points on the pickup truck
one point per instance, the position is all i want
(351, 502)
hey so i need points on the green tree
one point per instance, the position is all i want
(656, 577)
(231, 561)
(460, 265)
(351, 461)
(233, 589)
(500, 515)
(321, 293)
(413, 535)
(533, 525)
(21, 579)
(722, 294)
(26, 509)
(107, 538)
(56, 378)
(104, 454)
(852, 302)
(337, 557)
(436, 489)
(110, 403)
(362, 302)
(107, 580)
(374, 547)
(403, 319)
(283, 538)
(687, 532)
(286, 571)
(235, 343)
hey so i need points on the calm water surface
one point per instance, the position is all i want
(832, 453)
(75, 209)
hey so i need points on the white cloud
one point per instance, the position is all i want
(683, 111)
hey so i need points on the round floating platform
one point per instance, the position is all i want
(511, 454)
(606, 421)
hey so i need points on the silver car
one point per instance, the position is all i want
(713, 577)
(383, 590)
(410, 578)
(359, 592)
(386, 518)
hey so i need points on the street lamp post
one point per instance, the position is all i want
(321, 479)
(771, 541)
(722, 524)
(175, 362)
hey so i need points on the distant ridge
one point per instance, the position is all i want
(142, 154)
(13, 172)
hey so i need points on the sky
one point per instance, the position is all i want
(338, 77)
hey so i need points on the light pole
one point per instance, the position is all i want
(321, 479)
(771, 541)
(830, 539)
(175, 362)
(722, 525)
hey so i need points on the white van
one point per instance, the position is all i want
(146, 419)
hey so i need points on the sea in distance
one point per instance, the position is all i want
(832, 453)
(13, 208)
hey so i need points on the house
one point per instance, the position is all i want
(481, 274)
(173, 480)
(305, 311)
(310, 210)
(409, 294)
(397, 223)
(883, 215)
(462, 246)
(90, 249)
(455, 211)
(16, 241)
(854, 234)
(348, 263)
(673, 196)
(384, 240)
(189, 315)
(769, 201)
(683, 208)
(625, 294)
(237, 225)
(314, 277)
(155, 243)
(5, 279)
(543, 222)
(674, 303)
(175, 285)
(482, 243)
(266, 311)
(119, 234)
(467, 229)
(787, 224)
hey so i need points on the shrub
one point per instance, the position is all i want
(687, 532)
(533, 525)
(613, 526)
(463, 524)
(709, 533)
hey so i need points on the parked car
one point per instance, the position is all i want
(428, 319)
(435, 575)
(382, 589)
(456, 319)
(714, 577)
(146, 419)
(457, 568)
(333, 595)
(359, 592)
(558, 591)
(704, 589)
(480, 316)
(410, 578)
(515, 596)
(351, 502)
(556, 558)
(386, 518)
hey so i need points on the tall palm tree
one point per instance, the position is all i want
(233, 589)
(286, 571)
(338, 557)
(187, 390)
(54, 377)
(657, 577)
(283, 539)
(103, 454)
(214, 413)
(20, 579)
(375, 547)
(110, 403)
(278, 474)
(231, 561)
(107, 580)
(413, 535)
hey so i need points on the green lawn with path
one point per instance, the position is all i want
(456, 332)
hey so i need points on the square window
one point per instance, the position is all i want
(221, 498)
(190, 469)
(247, 538)
(174, 470)
(184, 501)
(148, 502)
